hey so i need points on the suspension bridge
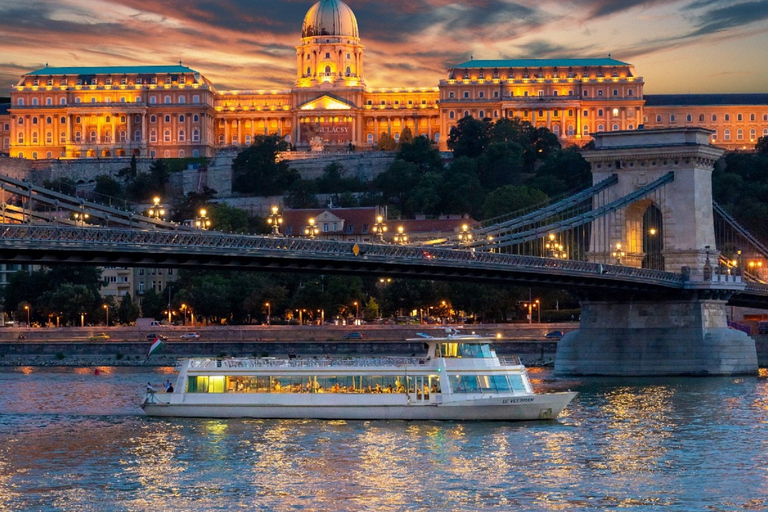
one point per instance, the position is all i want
(653, 260)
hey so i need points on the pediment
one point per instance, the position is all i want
(327, 102)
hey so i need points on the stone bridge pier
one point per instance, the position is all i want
(683, 332)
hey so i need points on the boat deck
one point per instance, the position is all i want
(345, 362)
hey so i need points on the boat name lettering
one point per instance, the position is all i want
(517, 400)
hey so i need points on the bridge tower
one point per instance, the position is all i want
(629, 333)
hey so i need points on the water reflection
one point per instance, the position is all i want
(72, 440)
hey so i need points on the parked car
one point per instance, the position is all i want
(102, 336)
(555, 334)
(353, 336)
(190, 336)
(151, 337)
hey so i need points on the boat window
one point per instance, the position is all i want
(473, 350)
(486, 383)
(312, 384)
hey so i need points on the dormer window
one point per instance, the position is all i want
(36, 82)
(123, 81)
(167, 80)
(154, 79)
(138, 80)
(94, 81)
(50, 81)
(109, 81)
(327, 55)
(182, 79)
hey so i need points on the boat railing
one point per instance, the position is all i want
(357, 362)
(510, 361)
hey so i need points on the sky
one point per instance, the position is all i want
(677, 46)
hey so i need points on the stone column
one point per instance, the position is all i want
(656, 337)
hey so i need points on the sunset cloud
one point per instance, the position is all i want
(250, 44)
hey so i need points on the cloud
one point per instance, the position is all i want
(731, 16)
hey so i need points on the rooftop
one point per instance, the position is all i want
(111, 70)
(540, 63)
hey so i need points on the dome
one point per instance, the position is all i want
(330, 18)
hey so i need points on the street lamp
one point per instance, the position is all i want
(156, 212)
(203, 221)
(357, 311)
(618, 253)
(269, 311)
(274, 220)
(554, 248)
(311, 230)
(538, 309)
(380, 228)
(106, 308)
(400, 238)
(82, 319)
(80, 218)
(529, 305)
(465, 235)
(26, 306)
(183, 309)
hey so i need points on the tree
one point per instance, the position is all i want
(420, 151)
(469, 137)
(108, 186)
(510, 199)
(302, 194)
(386, 142)
(258, 170)
(128, 311)
(406, 136)
(397, 182)
(501, 164)
(562, 171)
(153, 304)
(762, 145)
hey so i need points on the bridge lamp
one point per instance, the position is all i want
(652, 231)
(400, 238)
(311, 230)
(26, 306)
(618, 253)
(275, 220)
(380, 228)
(269, 311)
(203, 221)
(106, 309)
(80, 218)
(156, 211)
(465, 235)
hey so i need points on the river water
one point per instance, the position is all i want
(71, 440)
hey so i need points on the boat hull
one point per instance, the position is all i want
(521, 408)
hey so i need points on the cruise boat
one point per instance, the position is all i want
(460, 377)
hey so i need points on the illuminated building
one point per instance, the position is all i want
(174, 111)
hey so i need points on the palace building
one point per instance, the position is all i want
(174, 111)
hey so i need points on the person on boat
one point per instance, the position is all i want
(167, 384)
(150, 389)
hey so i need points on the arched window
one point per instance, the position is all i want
(152, 119)
(195, 135)
(195, 153)
(369, 138)
(570, 130)
(20, 138)
(349, 71)
(482, 115)
(93, 136)
(739, 134)
(182, 99)
(600, 128)
(137, 136)
(466, 113)
(701, 118)
(327, 70)
(181, 135)
(49, 138)
(152, 136)
(108, 136)
(182, 153)
(739, 117)
(167, 136)
(585, 130)
(727, 134)
(309, 71)
(167, 119)
(752, 134)
(167, 99)
(397, 137)
(181, 118)
(195, 118)
(34, 101)
(727, 117)
(556, 129)
(123, 136)
(658, 118)
(437, 136)
(63, 138)
(714, 118)
(247, 140)
(78, 137)
(615, 127)
(451, 115)
(48, 120)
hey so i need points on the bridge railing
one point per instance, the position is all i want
(213, 242)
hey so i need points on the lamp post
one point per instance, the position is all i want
(269, 312)
(82, 319)
(379, 228)
(357, 311)
(80, 218)
(203, 221)
(26, 306)
(274, 220)
(554, 248)
(465, 235)
(311, 230)
(400, 238)
(618, 253)
(106, 308)
(538, 310)
(157, 211)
